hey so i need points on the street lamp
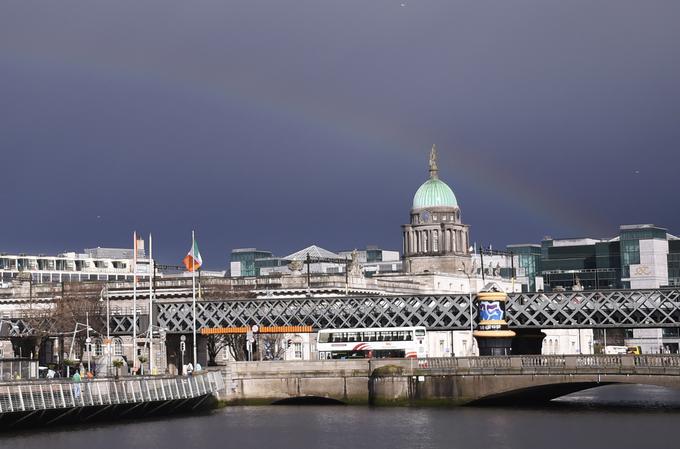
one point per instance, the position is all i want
(105, 290)
(472, 324)
(87, 329)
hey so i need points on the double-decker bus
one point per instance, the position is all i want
(388, 342)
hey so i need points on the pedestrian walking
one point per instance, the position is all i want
(76, 384)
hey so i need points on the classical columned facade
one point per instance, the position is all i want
(435, 239)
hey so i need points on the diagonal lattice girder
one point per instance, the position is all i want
(616, 308)
(586, 309)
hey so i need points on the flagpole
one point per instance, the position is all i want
(134, 300)
(151, 305)
(193, 290)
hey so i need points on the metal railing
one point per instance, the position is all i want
(11, 369)
(21, 396)
(565, 363)
(525, 364)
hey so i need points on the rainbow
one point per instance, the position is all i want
(459, 166)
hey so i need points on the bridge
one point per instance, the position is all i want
(45, 402)
(453, 381)
(587, 309)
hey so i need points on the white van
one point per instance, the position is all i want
(615, 349)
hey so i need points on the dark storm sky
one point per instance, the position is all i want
(279, 124)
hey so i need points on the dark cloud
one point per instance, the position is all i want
(280, 124)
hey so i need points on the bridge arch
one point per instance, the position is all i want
(309, 400)
(541, 391)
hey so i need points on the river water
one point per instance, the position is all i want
(621, 417)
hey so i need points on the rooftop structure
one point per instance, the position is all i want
(640, 256)
(95, 264)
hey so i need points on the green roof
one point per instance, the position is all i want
(434, 193)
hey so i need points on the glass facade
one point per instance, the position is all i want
(589, 264)
(608, 255)
(630, 245)
(630, 255)
(373, 255)
(674, 263)
(527, 259)
(599, 264)
(247, 258)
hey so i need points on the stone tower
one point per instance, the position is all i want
(435, 240)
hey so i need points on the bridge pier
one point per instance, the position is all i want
(492, 334)
(528, 342)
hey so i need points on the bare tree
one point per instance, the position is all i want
(273, 346)
(215, 344)
(236, 344)
(79, 305)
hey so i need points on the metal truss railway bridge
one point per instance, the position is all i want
(586, 309)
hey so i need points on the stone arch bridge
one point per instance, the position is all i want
(454, 381)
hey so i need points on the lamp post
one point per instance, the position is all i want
(472, 323)
(88, 341)
(108, 326)
(84, 327)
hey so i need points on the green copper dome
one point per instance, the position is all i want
(434, 193)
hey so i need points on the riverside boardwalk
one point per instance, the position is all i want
(45, 402)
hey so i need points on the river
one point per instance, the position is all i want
(621, 417)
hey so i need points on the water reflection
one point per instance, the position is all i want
(348, 427)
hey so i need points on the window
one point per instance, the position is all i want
(98, 348)
(298, 350)
(671, 332)
(117, 347)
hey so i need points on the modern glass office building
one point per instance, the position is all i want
(527, 261)
(641, 256)
(244, 261)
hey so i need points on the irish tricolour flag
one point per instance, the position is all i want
(193, 260)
